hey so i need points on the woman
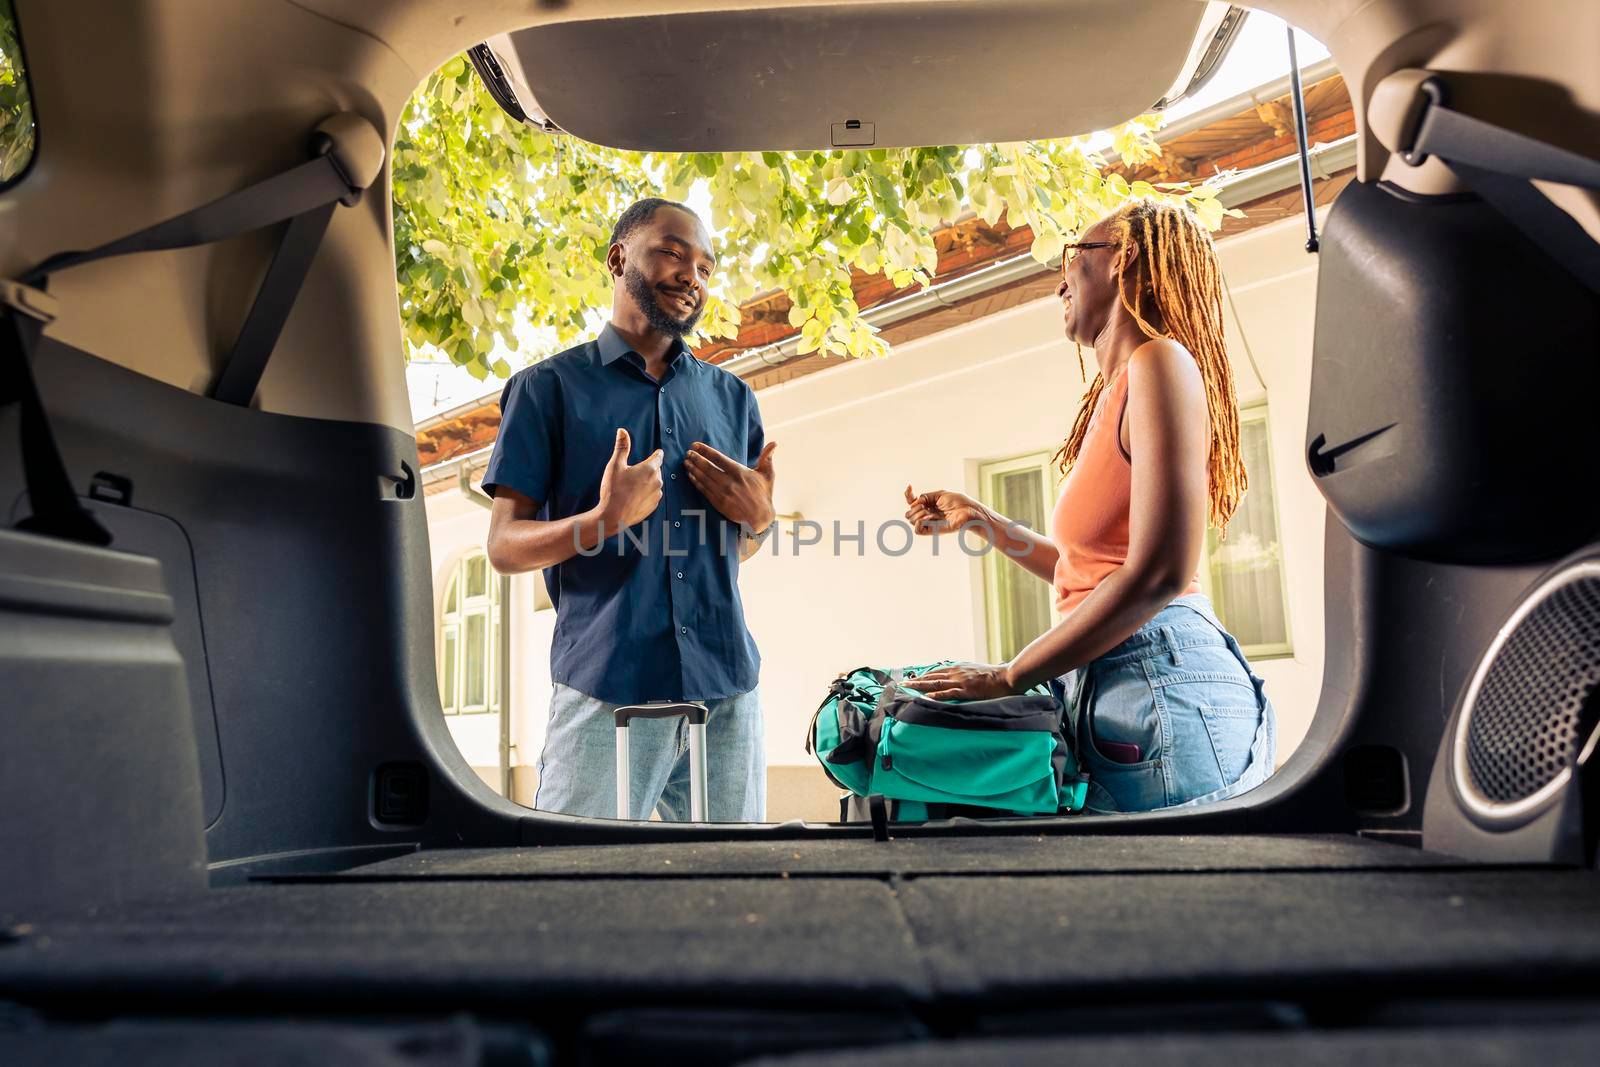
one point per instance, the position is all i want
(1163, 703)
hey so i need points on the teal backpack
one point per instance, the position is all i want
(1008, 755)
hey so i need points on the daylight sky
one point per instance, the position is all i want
(1259, 55)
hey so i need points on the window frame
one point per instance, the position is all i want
(454, 613)
(994, 560)
(1257, 413)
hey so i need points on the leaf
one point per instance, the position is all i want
(1046, 246)
(991, 210)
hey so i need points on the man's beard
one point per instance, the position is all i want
(644, 294)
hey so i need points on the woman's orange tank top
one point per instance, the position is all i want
(1090, 523)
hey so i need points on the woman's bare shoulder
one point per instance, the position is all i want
(1163, 363)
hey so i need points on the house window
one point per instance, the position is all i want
(16, 103)
(1019, 605)
(1244, 573)
(469, 645)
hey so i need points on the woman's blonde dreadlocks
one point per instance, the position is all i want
(1173, 289)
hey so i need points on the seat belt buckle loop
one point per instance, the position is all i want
(323, 147)
(29, 301)
(1430, 95)
(355, 149)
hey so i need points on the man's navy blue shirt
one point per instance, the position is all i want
(653, 613)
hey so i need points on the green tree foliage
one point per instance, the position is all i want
(494, 220)
(16, 106)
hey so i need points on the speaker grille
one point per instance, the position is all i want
(1527, 720)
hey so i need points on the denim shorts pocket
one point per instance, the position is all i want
(1232, 731)
(1114, 786)
(1186, 698)
(1123, 710)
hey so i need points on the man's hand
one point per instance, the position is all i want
(743, 495)
(628, 494)
(969, 681)
(941, 511)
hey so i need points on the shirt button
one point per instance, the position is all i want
(683, 629)
(680, 576)
(676, 524)
(669, 429)
(674, 477)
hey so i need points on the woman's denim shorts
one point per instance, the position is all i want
(1171, 717)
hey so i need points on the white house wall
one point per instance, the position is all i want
(456, 527)
(1274, 284)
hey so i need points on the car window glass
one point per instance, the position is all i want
(16, 102)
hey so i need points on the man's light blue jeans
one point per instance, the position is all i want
(578, 766)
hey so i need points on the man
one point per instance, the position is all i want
(640, 534)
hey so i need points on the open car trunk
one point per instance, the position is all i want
(850, 75)
(230, 801)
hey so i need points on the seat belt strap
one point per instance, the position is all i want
(305, 196)
(1498, 164)
(282, 196)
(55, 508)
(253, 347)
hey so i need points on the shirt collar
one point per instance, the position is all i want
(612, 347)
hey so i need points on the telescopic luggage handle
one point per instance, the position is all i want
(696, 714)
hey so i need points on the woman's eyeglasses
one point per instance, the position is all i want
(1077, 246)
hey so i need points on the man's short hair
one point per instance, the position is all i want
(640, 213)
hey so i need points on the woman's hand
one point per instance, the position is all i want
(967, 681)
(941, 511)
